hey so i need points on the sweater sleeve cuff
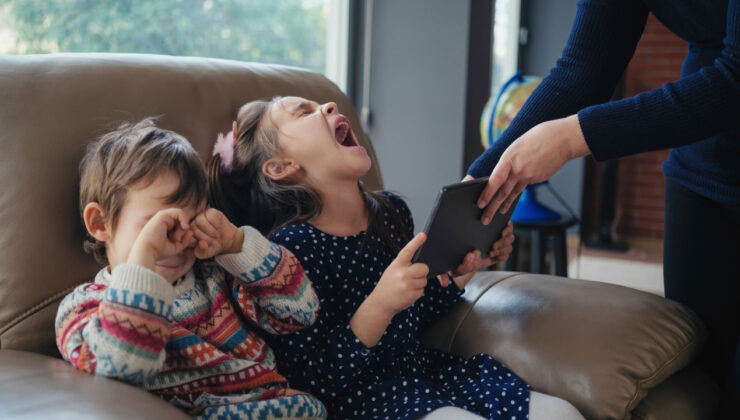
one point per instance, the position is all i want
(256, 259)
(140, 287)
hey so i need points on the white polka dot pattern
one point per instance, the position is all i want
(399, 378)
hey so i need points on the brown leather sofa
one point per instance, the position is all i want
(613, 352)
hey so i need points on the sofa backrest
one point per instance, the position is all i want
(51, 106)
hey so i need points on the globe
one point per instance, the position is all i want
(501, 109)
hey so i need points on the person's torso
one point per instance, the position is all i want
(711, 166)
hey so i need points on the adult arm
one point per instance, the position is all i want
(601, 42)
(700, 105)
(697, 106)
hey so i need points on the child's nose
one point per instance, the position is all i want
(330, 108)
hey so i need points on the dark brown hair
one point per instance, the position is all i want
(132, 154)
(249, 197)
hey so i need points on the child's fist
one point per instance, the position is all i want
(215, 234)
(166, 234)
(403, 282)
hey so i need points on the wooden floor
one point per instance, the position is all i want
(640, 267)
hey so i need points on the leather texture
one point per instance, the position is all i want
(602, 347)
(37, 386)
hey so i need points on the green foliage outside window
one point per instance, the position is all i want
(291, 32)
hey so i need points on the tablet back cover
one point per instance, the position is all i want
(454, 227)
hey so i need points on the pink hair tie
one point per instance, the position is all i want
(224, 147)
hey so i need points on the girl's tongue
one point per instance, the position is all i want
(344, 134)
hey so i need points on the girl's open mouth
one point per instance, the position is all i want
(343, 132)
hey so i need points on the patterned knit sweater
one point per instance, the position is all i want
(196, 343)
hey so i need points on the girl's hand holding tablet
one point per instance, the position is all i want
(474, 261)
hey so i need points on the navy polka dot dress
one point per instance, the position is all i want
(398, 378)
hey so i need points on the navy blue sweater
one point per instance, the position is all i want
(698, 116)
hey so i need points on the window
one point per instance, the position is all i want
(506, 38)
(303, 33)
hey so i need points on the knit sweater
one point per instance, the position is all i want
(196, 343)
(697, 115)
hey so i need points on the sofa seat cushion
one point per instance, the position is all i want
(38, 386)
(600, 346)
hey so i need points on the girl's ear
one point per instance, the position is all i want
(278, 169)
(94, 218)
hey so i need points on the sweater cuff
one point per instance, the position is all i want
(136, 286)
(256, 260)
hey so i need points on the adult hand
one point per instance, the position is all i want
(533, 157)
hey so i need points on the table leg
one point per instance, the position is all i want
(560, 253)
(537, 262)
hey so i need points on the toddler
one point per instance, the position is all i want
(156, 318)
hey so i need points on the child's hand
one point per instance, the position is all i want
(166, 234)
(215, 234)
(474, 261)
(403, 282)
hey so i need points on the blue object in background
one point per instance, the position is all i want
(531, 210)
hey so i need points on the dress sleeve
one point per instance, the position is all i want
(436, 302)
(326, 357)
(700, 105)
(270, 285)
(602, 40)
(118, 331)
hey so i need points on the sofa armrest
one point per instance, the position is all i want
(599, 346)
(37, 386)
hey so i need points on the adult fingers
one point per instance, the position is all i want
(499, 198)
(514, 194)
(407, 253)
(498, 177)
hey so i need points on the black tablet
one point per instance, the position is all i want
(454, 227)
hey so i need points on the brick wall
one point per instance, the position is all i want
(657, 60)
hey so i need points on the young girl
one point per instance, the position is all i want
(292, 169)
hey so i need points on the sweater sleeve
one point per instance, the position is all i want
(326, 357)
(700, 105)
(117, 331)
(601, 43)
(271, 288)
